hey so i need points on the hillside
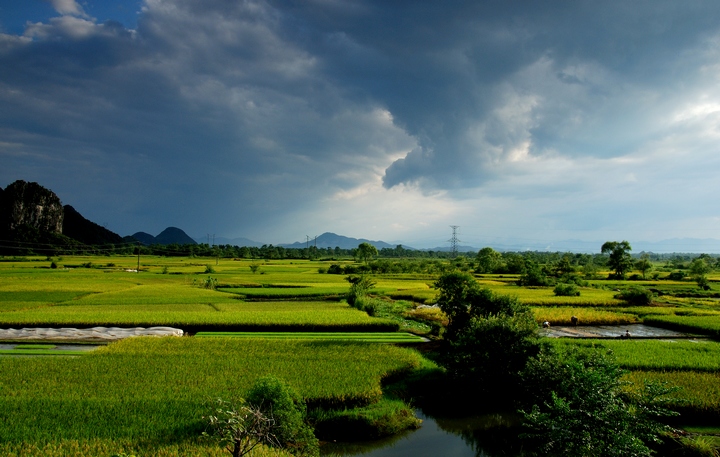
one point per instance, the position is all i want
(78, 228)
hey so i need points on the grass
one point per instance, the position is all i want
(658, 355)
(699, 393)
(150, 389)
(561, 315)
(146, 395)
(370, 337)
(708, 324)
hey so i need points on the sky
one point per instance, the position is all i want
(516, 121)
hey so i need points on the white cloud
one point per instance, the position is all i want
(68, 7)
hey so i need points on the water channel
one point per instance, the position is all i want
(480, 436)
(477, 436)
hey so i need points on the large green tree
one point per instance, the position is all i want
(619, 258)
(699, 268)
(366, 251)
(488, 260)
(490, 336)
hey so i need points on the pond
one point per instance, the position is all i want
(477, 436)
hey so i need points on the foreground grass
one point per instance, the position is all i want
(154, 390)
(98, 447)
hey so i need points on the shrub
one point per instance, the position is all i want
(584, 410)
(288, 410)
(209, 283)
(676, 276)
(636, 296)
(461, 298)
(489, 353)
(335, 269)
(239, 427)
(359, 287)
(53, 265)
(566, 290)
(209, 269)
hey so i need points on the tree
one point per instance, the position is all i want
(564, 266)
(366, 251)
(699, 268)
(275, 398)
(490, 336)
(584, 409)
(239, 427)
(461, 298)
(488, 260)
(535, 275)
(644, 265)
(619, 257)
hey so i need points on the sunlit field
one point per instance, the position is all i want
(146, 395)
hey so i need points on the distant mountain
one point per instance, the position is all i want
(331, 240)
(448, 249)
(171, 235)
(144, 238)
(228, 241)
(87, 232)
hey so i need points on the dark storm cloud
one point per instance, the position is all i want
(250, 112)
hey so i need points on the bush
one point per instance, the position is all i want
(53, 265)
(566, 290)
(636, 296)
(461, 298)
(359, 287)
(490, 352)
(209, 283)
(676, 276)
(335, 269)
(584, 410)
(277, 400)
(209, 269)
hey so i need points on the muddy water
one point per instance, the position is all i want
(613, 331)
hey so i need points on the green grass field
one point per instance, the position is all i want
(368, 337)
(151, 389)
(146, 395)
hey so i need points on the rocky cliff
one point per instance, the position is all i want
(28, 204)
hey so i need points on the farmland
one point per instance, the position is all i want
(147, 395)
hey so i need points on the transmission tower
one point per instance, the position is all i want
(454, 240)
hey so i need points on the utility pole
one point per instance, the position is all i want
(138, 267)
(454, 240)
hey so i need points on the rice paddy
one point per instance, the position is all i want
(286, 318)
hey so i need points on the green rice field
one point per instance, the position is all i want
(146, 395)
(150, 389)
(369, 337)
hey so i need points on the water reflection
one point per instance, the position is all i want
(478, 436)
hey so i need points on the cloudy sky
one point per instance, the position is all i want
(518, 121)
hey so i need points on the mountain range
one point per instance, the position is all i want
(31, 213)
